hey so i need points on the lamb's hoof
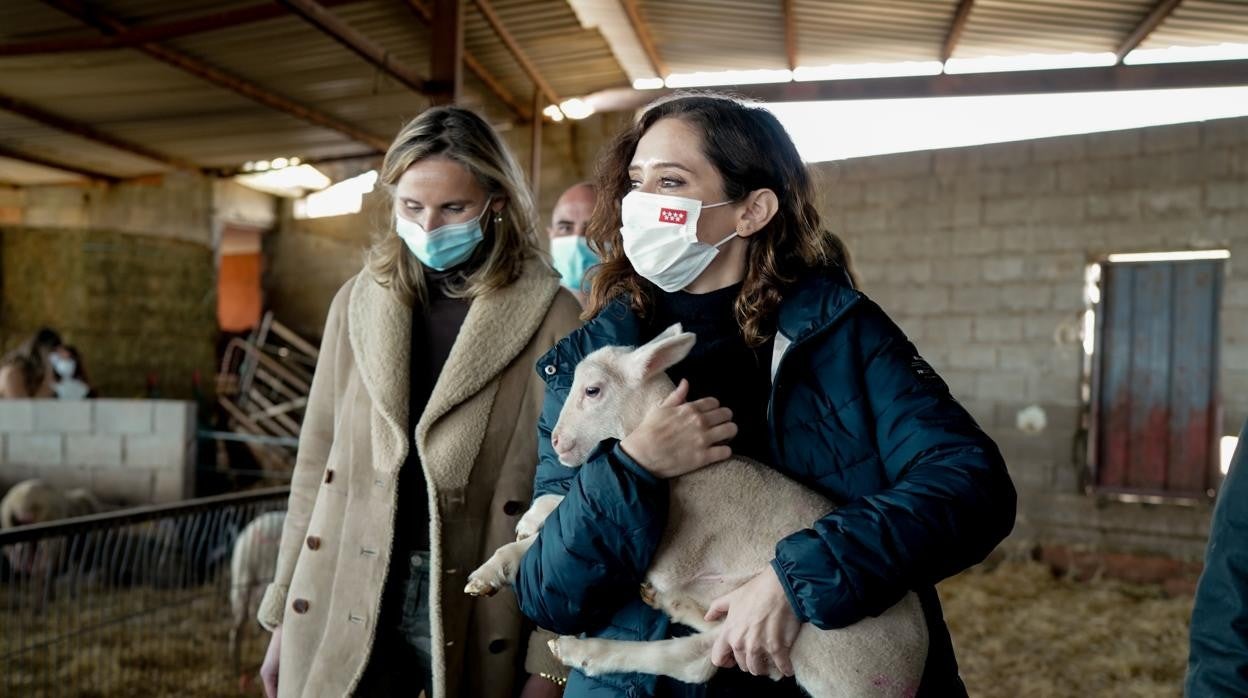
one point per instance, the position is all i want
(526, 530)
(649, 595)
(573, 652)
(478, 587)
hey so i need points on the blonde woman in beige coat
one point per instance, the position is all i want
(419, 445)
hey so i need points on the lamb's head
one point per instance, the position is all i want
(613, 389)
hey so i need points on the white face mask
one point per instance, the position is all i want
(661, 238)
(65, 367)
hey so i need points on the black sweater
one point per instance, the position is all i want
(721, 365)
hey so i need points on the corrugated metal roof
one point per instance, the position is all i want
(130, 95)
(573, 60)
(17, 172)
(1012, 27)
(26, 21)
(702, 35)
(853, 32)
(1202, 23)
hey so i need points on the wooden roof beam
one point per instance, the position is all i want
(446, 50)
(790, 33)
(199, 24)
(315, 14)
(956, 27)
(6, 152)
(483, 74)
(77, 128)
(1159, 13)
(491, 17)
(644, 38)
(110, 25)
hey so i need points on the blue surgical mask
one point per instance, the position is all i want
(443, 247)
(572, 257)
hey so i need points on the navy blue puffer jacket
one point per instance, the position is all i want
(855, 414)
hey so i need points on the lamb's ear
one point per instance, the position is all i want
(660, 353)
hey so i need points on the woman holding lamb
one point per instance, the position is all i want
(709, 220)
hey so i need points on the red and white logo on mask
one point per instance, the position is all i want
(673, 215)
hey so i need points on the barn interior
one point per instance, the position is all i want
(184, 186)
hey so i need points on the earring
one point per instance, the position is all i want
(498, 218)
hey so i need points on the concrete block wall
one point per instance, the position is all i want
(125, 451)
(979, 253)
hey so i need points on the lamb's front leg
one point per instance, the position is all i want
(535, 517)
(500, 570)
(685, 659)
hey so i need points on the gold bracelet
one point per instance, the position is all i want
(557, 680)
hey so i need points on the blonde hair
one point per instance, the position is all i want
(510, 235)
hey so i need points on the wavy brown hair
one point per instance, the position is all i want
(510, 236)
(751, 150)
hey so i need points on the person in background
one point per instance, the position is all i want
(568, 247)
(69, 373)
(1217, 665)
(417, 452)
(26, 372)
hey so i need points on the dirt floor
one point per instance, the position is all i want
(125, 643)
(1022, 632)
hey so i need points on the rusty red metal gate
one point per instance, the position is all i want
(1155, 402)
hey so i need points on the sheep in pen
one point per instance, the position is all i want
(138, 601)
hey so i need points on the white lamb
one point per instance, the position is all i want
(35, 501)
(723, 524)
(252, 566)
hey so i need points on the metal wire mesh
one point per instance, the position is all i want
(144, 601)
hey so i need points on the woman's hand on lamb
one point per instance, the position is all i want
(677, 437)
(759, 626)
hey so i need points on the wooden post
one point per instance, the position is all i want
(535, 152)
(446, 73)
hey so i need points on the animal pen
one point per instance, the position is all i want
(133, 602)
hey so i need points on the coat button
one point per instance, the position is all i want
(497, 646)
(300, 606)
(550, 369)
(314, 543)
(512, 508)
(329, 475)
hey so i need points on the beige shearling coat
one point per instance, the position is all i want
(477, 442)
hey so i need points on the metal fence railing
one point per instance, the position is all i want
(156, 600)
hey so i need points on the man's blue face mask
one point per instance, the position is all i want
(572, 258)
